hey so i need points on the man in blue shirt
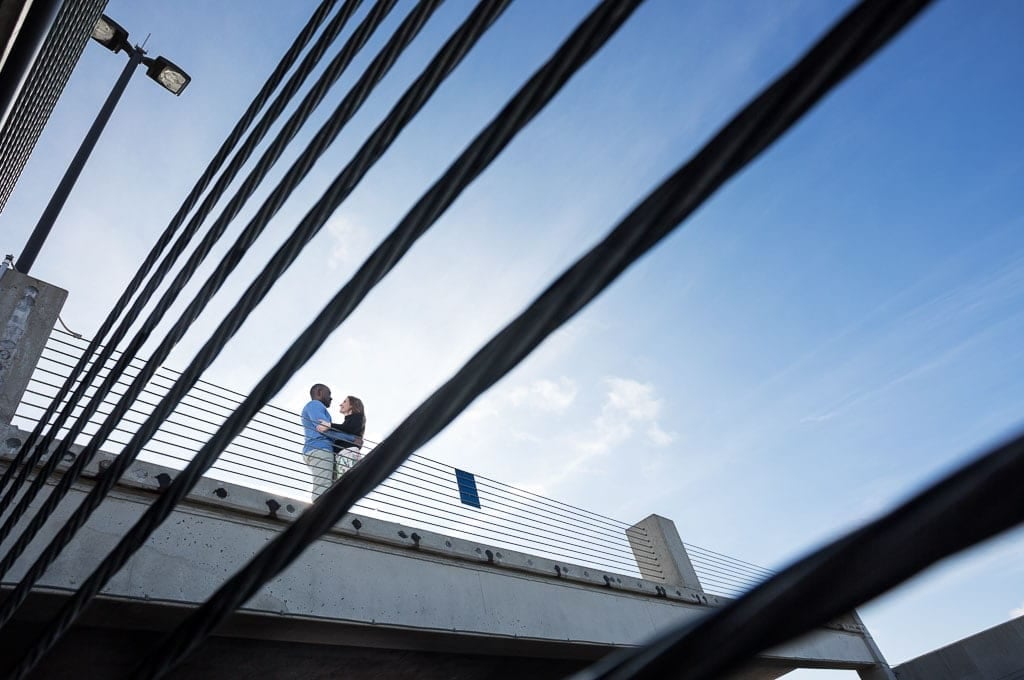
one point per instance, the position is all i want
(317, 451)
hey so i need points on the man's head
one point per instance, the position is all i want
(321, 393)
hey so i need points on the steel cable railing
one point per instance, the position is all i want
(423, 492)
(588, 542)
(412, 492)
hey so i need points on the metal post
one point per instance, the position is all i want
(35, 242)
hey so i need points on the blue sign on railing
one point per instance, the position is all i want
(467, 488)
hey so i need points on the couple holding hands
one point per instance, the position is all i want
(331, 449)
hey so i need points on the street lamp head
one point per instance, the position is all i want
(169, 75)
(109, 33)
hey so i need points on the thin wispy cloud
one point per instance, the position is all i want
(630, 406)
(350, 240)
(553, 396)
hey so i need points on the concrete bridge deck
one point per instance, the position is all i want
(370, 599)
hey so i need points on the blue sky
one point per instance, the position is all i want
(837, 327)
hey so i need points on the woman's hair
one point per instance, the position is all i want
(357, 407)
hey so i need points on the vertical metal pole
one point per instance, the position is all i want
(28, 256)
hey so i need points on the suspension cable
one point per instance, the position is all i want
(761, 122)
(530, 99)
(416, 96)
(295, 174)
(259, 131)
(229, 143)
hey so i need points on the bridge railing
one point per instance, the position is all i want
(424, 493)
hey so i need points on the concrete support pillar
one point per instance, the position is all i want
(882, 671)
(28, 311)
(660, 553)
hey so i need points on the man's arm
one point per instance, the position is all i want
(314, 412)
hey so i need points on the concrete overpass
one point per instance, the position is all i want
(374, 598)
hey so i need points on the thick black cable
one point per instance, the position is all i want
(971, 505)
(858, 36)
(599, 26)
(524, 106)
(268, 209)
(229, 143)
(314, 220)
(411, 102)
(308, 64)
(298, 170)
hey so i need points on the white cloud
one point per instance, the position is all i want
(545, 395)
(1017, 611)
(634, 398)
(658, 436)
(629, 405)
(350, 241)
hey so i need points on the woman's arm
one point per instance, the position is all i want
(354, 424)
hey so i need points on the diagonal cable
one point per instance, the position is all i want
(973, 504)
(862, 32)
(229, 143)
(584, 42)
(411, 102)
(252, 181)
(296, 173)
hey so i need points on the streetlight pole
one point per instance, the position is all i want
(114, 38)
(53, 208)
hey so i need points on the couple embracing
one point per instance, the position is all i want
(331, 449)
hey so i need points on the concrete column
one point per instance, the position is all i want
(28, 311)
(881, 671)
(660, 553)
